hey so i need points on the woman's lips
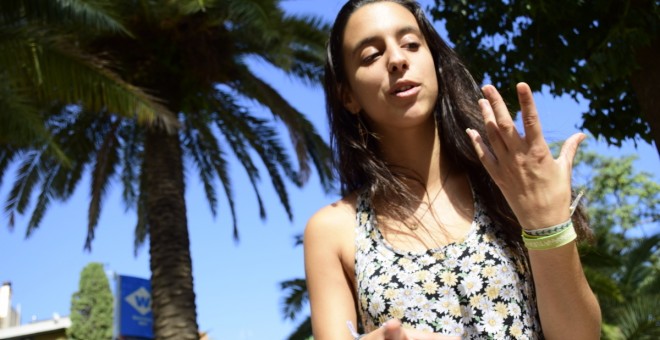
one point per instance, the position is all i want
(405, 91)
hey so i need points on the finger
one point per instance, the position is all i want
(570, 146)
(485, 156)
(496, 141)
(530, 116)
(393, 330)
(505, 124)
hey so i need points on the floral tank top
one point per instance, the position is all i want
(477, 288)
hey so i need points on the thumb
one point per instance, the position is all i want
(570, 146)
(393, 330)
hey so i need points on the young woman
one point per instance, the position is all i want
(439, 186)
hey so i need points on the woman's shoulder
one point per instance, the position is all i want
(333, 222)
(334, 214)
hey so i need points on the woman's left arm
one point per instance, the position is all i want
(538, 188)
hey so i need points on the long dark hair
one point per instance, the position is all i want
(358, 160)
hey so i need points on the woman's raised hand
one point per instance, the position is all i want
(536, 185)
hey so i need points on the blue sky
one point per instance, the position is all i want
(237, 285)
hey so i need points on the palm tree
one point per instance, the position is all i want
(193, 56)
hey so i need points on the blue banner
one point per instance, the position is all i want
(134, 307)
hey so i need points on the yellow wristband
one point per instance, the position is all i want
(552, 241)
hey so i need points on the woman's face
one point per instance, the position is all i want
(390, 70)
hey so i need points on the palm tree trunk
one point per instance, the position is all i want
(173, 305)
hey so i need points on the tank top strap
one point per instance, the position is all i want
(364, 216)
(364, 211)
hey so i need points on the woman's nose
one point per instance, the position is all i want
(398, 61)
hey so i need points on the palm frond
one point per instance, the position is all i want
(43, 200)
(107, 157)
(200, 157)
(263, 139)
(603, 285)
(243, 155)
(637, 264)
(303, 331)
(7, 155)
(610, 332)
(598, 256)
(142, 224)
(298, 240)
(209, 158)
(215, 159)
(63, 67)
(24, 128)
(96, 15)
(21, 122)
(293, 43)
(249, 13)
(640, 318)
(303, 52)
(295, 297)
(22, 125)
(131, 153)
(651, 284)
(188, 7)
(28, 175)
(73, 130)
(255, 27)
(304, 137)
(231, 129)
(59, 71)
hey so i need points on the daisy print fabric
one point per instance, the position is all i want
(476, 288)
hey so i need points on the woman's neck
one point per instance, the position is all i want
(417, 150)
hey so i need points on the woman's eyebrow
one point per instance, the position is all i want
(371, 39)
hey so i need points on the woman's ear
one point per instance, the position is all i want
(349, 101)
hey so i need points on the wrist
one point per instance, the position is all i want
(549, 238)
(544, 222)
(547, 218)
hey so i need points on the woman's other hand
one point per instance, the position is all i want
(535, 184)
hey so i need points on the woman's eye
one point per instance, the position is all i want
(413, 46)
(370, 58)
